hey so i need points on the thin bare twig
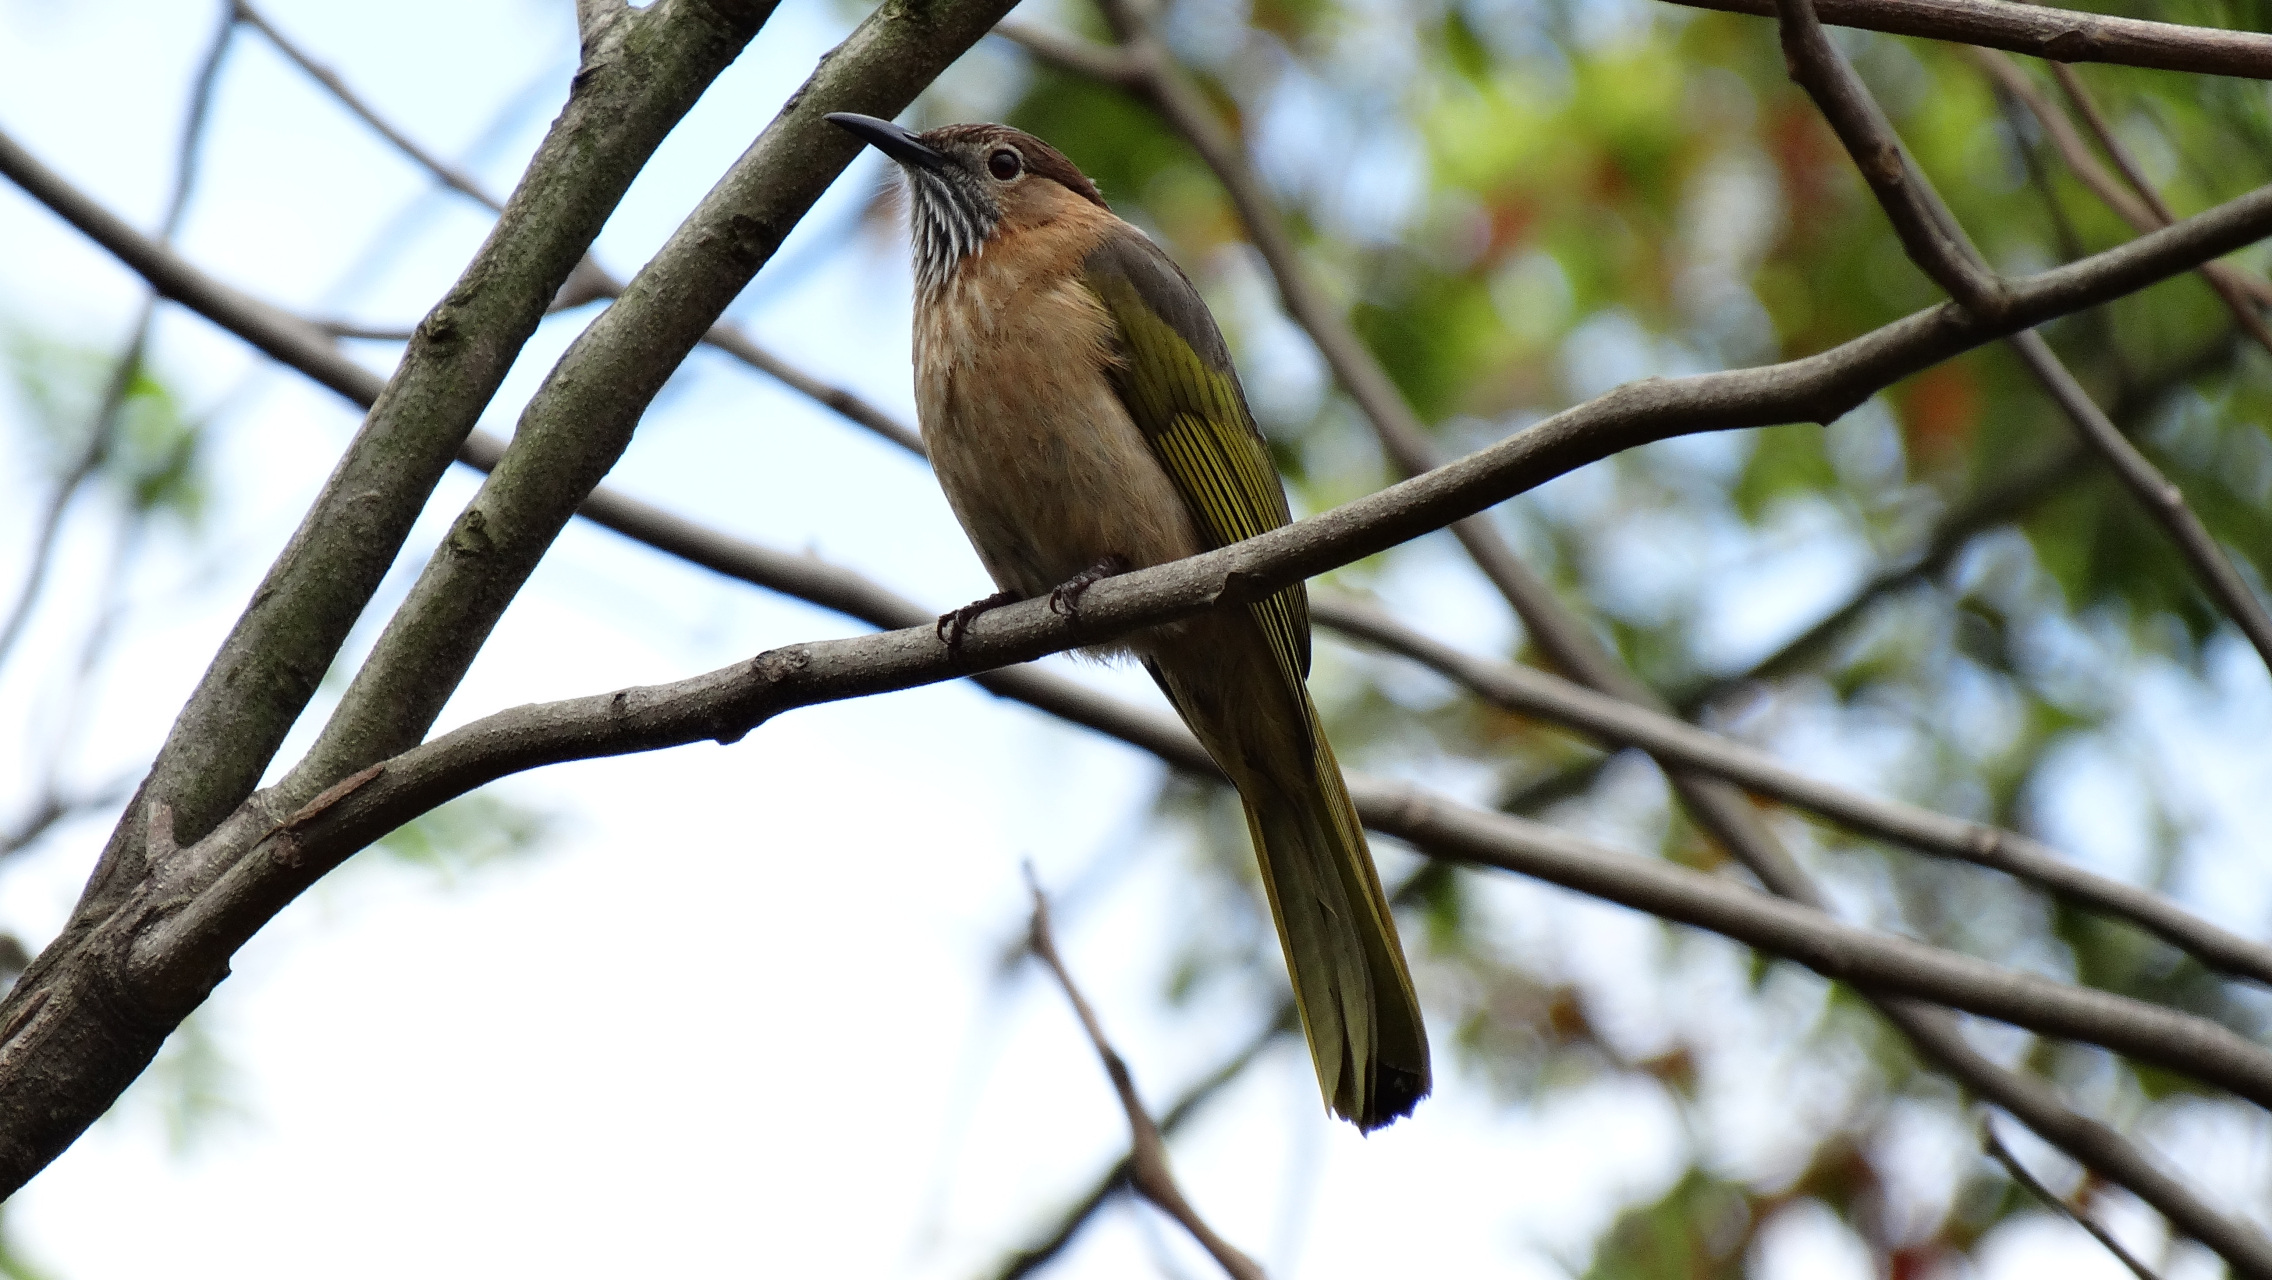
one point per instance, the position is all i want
(1076, 1215)
(104, 425)
(2003, 1156)
(449, 175)
(1147, 1166)
(102, 429)
(53, 805)
(2242, 293)
(590, 282)
(2233, 286)
(2087, 106)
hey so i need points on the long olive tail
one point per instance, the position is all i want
(1350, 981)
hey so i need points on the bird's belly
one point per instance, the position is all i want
(1049, 477)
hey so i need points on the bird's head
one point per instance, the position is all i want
(970, 184)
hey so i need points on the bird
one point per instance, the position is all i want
(1083, 416)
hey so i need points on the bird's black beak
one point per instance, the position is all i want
(890, 139)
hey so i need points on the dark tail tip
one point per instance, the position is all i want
(1395, 1093)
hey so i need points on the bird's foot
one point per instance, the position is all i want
(951, 626)
(1065, 598)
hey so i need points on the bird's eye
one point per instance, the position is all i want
(1003, 164)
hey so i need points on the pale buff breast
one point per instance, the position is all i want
(1037, 456)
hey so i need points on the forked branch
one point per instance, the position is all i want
(1147, 1166)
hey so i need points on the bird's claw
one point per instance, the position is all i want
(952, 625)
(1065, 598)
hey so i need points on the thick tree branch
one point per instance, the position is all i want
(631, 91)
(583, 415)
(626, 98)
(590, 282)
(1147, 1169)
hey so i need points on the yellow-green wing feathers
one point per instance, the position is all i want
(1174, 375)
(1176, 378)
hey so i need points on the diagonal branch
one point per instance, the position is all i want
(628, 96)
(2062, 35)
(2163, 500)
(1717, 808)
(583, 415)
(1927, 229)
(1939, 247)
(1677, 743)
(2242, 293)
(590, 282)
(1146, 1167)
(2003, 1156)
(1076, 1215)
(264, 855)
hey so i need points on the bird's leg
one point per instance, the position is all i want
(951, 625)
(1065, 598)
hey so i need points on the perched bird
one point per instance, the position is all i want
(1080, 408)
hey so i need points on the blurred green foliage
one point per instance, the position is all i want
(1525, 203)
(124, 426)
(467, 835)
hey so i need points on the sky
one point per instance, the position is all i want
(739, 1010)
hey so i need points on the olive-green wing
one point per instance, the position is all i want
(1175, 375)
